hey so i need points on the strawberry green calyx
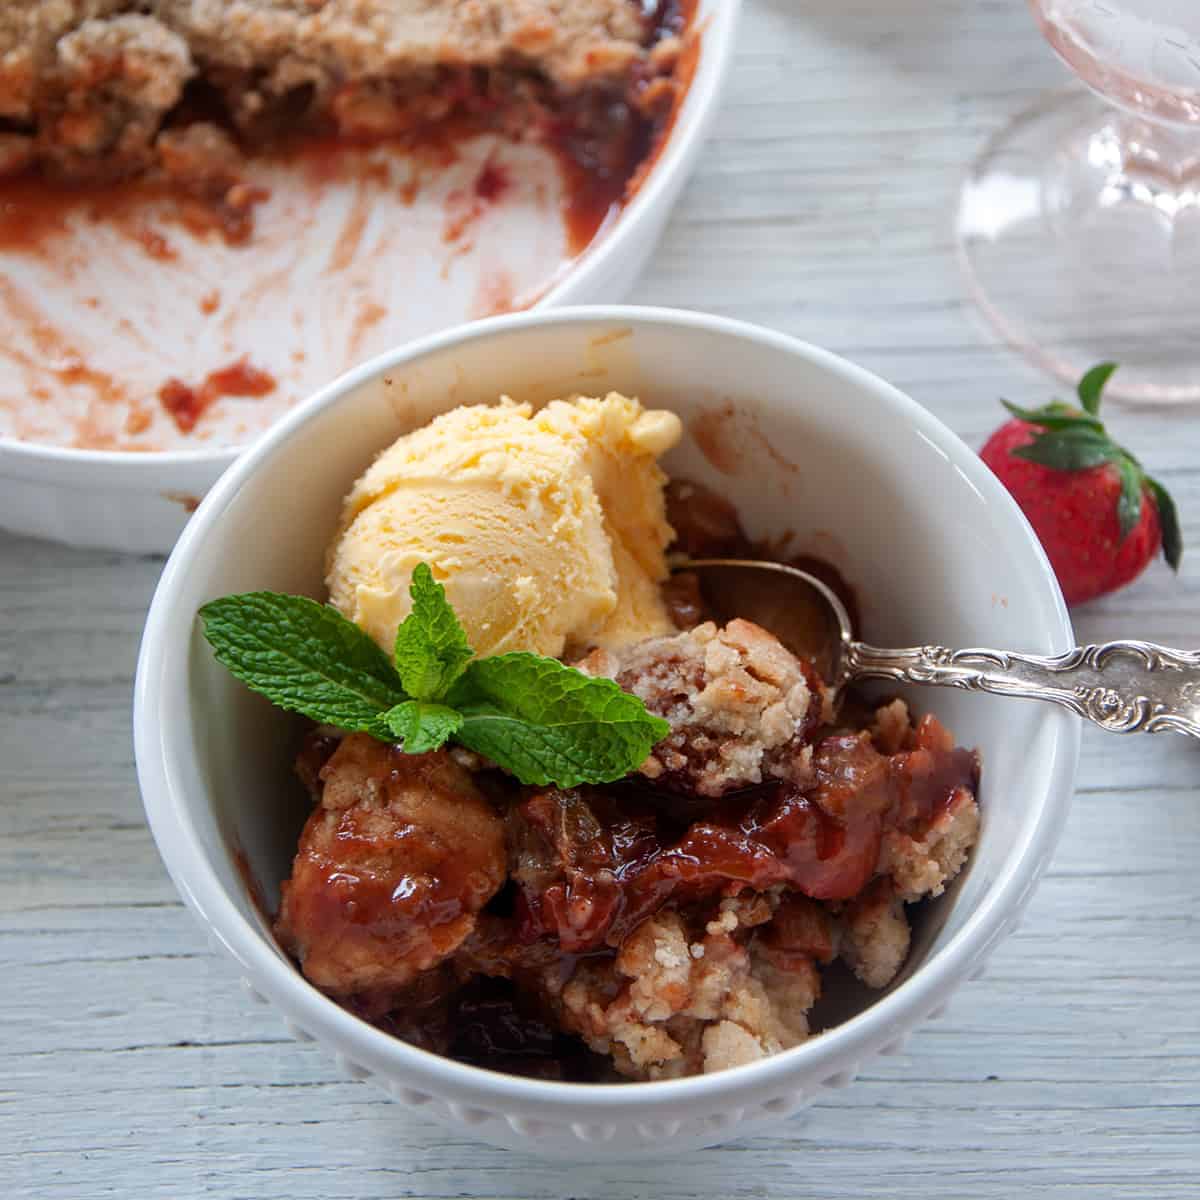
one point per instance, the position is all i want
(1074, 439)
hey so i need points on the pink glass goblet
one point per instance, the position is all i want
(1079, 224)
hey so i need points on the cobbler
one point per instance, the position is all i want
(678, 921)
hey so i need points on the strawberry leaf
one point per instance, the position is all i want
(1168, 518)
(1091, 386)
(1129, 505)
(1054, 416)
(1069, 450)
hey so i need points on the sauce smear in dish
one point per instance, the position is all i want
(331, 225)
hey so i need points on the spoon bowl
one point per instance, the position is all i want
(803, 612)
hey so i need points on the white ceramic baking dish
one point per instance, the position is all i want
(138, 502)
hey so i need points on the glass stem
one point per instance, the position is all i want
(1148, 163)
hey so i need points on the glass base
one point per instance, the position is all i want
(1079, 233)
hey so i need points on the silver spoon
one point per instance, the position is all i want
(1124, 687)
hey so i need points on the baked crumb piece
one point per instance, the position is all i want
(740, 705)
(572, 43)
(392, 869)
(891, 727)
(662, 1011)
(728, 1044)
(201, 157)
(921, 864)
(107, 86)
(801, 931)
(875, 935)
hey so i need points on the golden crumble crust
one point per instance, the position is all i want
(90, 83)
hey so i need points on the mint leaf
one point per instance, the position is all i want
(1168, 518)
(1129, 504)
(548, 723)
(1091, 386)
(305, 657)
(431, 646)
(421, 726)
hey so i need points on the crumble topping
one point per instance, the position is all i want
(660, 1011)
(87, 86)
(923, 864)
(740, 705)
(875, 934)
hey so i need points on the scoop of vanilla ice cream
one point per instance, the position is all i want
(547, 529)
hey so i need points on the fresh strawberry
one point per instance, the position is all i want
(1100, 517)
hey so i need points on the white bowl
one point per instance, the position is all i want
(802, 442)
(138, 503)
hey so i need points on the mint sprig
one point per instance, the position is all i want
(431, 646)
(1075, 439)
(544, 722)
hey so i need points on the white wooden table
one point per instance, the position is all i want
(132, 1066)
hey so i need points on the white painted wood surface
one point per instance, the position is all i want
(132, 1066)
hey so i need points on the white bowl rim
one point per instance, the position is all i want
(278, 979)
(719, 32)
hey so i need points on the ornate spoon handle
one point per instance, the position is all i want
(1124, 687)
